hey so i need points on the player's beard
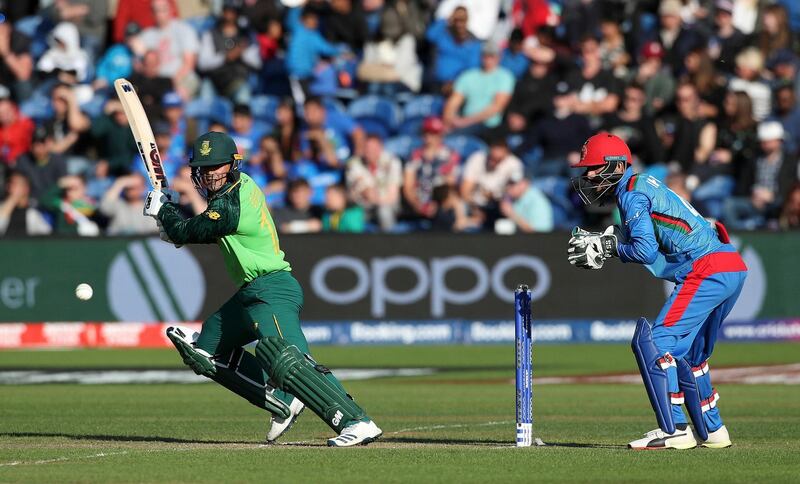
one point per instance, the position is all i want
(214, 182)
(209, 183)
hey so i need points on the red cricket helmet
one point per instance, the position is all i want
(602, 149)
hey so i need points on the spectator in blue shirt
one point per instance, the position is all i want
(514, 58)
(307, 46)
(329, 138)
(244, 131)
(480, 96)
(118, 60)
(456, 48)
(175, 116)
(527, 206)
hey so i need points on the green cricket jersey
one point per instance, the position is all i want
(238, 220)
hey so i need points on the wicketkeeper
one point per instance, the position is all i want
(667, 235)
(282, 377)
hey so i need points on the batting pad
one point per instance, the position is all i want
(294, 372)
(226, 372)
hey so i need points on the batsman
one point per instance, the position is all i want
(280, 377)
(666, 234)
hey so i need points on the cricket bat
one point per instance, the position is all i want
(142, 133)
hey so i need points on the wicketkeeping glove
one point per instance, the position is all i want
(589, 250)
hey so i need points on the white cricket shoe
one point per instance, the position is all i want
(279, 426)
(658, 439)
(359, 433)
(719, 439)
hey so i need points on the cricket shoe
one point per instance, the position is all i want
(718, 439)
(279, 426)
(359, 433)
(657, 439)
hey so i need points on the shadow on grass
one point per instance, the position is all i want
(123, 438)
(583, 445)
(442, 441)
(491, 443)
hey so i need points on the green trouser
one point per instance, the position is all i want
(267, 306)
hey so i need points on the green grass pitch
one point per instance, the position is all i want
(452, 426)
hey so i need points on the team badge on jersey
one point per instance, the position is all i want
(213, 215)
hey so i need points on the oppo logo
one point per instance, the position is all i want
(430, 280)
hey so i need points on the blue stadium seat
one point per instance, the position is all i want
(418, 109)
(374, 111)
(333, 105)
(37, 107)
(202, 23)
(402, 145)
(423, 106)
(263, 108)
(319, 178)
(557, 190)
(465, 145)
(205, 111)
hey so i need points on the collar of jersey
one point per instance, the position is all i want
(622, 186)
(224, 191)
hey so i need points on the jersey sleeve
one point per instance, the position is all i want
(220, 219)
(641, 245)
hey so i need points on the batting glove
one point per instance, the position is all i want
(156, 199)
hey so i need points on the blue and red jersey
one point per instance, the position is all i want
(664, 232)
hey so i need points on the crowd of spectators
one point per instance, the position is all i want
(399, 115)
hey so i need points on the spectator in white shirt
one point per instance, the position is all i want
(486, 175)
(178, 45)
(374, 181)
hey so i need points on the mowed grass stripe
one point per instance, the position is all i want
(433, 432)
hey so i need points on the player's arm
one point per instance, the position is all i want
(641, 245)
(220, 219)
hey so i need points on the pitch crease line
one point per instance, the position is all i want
(59, 459)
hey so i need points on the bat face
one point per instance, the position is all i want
(142, 133)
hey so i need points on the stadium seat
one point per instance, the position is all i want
(423, 106)
(38, 108)
(402, 145)
(201, 23)
(334, 105)
(465, 145)
(557, 190)
(205, 111)
(375, 111)
(418, 109)
(263, 108)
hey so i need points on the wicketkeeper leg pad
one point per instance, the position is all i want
(654, 367)
(702, 405)
(300, 375)
(226, 372)
(691, 392)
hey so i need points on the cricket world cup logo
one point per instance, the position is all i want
(152, 281)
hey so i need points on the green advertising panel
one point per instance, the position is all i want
(352, 277)
(773, 275)
(132, 279)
